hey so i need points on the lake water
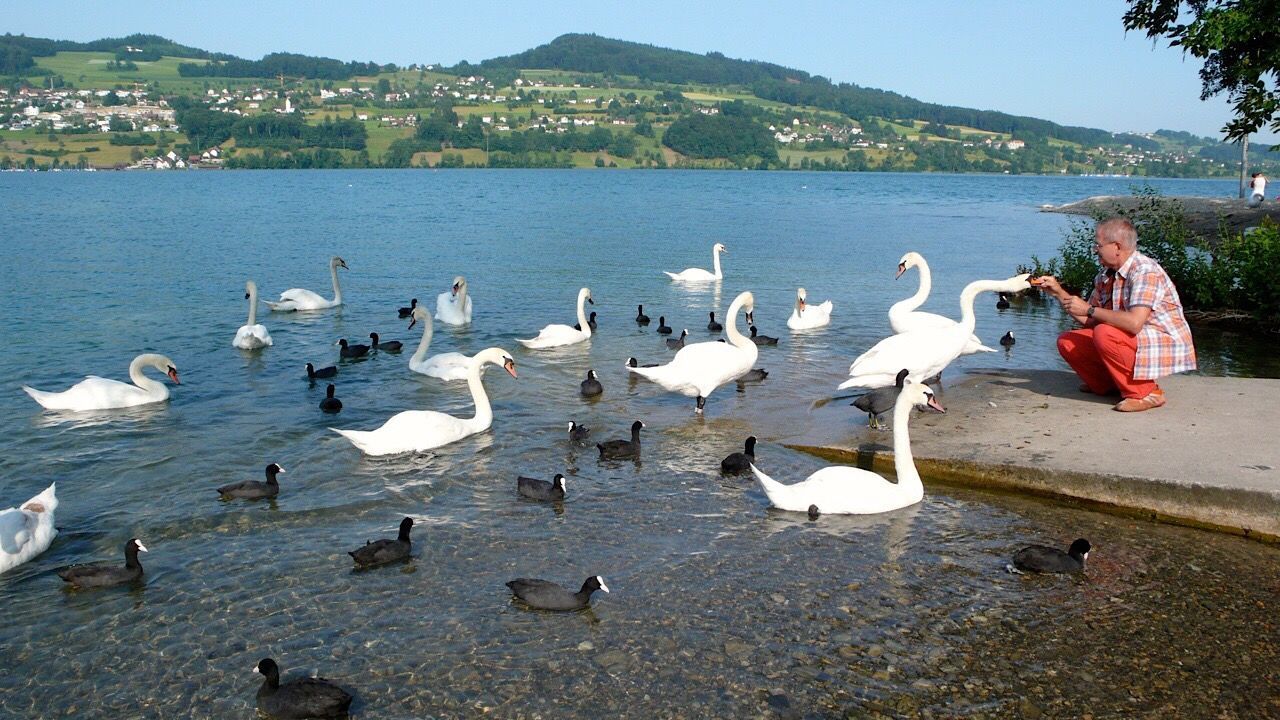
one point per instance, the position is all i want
(720, 607)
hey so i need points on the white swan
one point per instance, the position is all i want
(841, 490)
(805, 316)
(446, 366)
(96, 393)
(925, 352)
(698, 274)
(27, 531)
(251, 335)
(700, 368)
(419, 430)
(454, 307)
(299, 299)
(557, 335)
(903, 316)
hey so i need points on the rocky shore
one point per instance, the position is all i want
(1204, 214)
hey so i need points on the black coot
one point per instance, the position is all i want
(880, 401)
(301, 697)
(591, 386)
(740, 462)
(352, 351)
(546, 595)
(536, 489)
(254, 489)
(104, 574)
(330, 404)
(388, 346)
(1044, 559)
(623, 449)
(405, 312)
(663, 328)
(641, 318)
(381, 552)
(324, 372)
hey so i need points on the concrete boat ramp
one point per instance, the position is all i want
(1209, 458)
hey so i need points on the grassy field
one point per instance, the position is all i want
(89, 70)
(30, 143)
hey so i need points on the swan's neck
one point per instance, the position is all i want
(731, 328)
(423, 344)
(967, 296)
(715, 262)
(253, 306)
(337, 289)
(484, 412)
(142, 381)
(903, 464)
(922, 292)
(582, 316)
(461, 300)
(799, 309)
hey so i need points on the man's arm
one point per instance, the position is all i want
(1130, 321)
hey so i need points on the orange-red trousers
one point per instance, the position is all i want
(1103, 356)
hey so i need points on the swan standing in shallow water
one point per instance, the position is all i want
(251, 335)
(300, 299)
(27, 531)
(419, 430)
(698, 274)
(927, 351)
(97, 393)
(557, 335)
(700, 368)
(446, 366)
(841, 490)
(805, 316)
(454, 307)
(903, 316)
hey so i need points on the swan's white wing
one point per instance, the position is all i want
(410, 431)
(97, 393)
(839, 490)
(252, 337)
(299, 299)
(15, 531)
(446, 366)
(908, 322)
(25, 534)
(448, 311)
(814, 316)
(699, 368)
(554, 336)
(691, 275)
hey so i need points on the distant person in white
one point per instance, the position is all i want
(1258, 193)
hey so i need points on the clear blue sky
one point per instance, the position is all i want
(1069, 62)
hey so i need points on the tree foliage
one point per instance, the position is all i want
(720, 136)
(1239, 41)
(288, 64)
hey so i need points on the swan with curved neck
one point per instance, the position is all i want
(299, 299)
(698, 274)
(446, 366)
(925, 352)
(805, 316)
(97, 393)
(699, 368)
(854, 491)
(454, 307)
(419, 430)
(27, 531)
(251, 335)
(557, 335)
(903, 316)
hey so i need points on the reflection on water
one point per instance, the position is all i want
(720, 607)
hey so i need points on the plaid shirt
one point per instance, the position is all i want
(1164, 343)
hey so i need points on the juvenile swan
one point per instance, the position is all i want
(418, 430)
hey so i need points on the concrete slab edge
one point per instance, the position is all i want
(1248, 513)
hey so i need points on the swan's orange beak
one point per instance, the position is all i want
(510, 367)
(802, 306)
(935, 405)
(173, 375)
(902, 267)
(455, 289)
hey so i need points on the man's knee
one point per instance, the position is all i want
(1107, 335)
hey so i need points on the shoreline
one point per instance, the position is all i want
(1205, 215)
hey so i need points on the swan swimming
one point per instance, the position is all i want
(299, 299)
(446, 366)
(252, 335)
(419, 430)
(27, 531)
(927, 351)
(454, 307)
(97, 393)
(699, 368)
(903, 316)
(805, 316)
(557, 335)
(843, 490)
(698, 274)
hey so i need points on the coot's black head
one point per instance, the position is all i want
(632, 362)
(311, 369)
(405, 526)
(713, 316)
(593, 316)
(274, 469)
(374, 338)
(753, 331)
(268, 667)
(328, 391)
(591, 374)
(662, 319)
(751, 445)
(814, 512)
(134, 545)
(343, 343)
(594, 583)
(635, 426)
(558, 481)
(1080, 549)
(413, 303)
